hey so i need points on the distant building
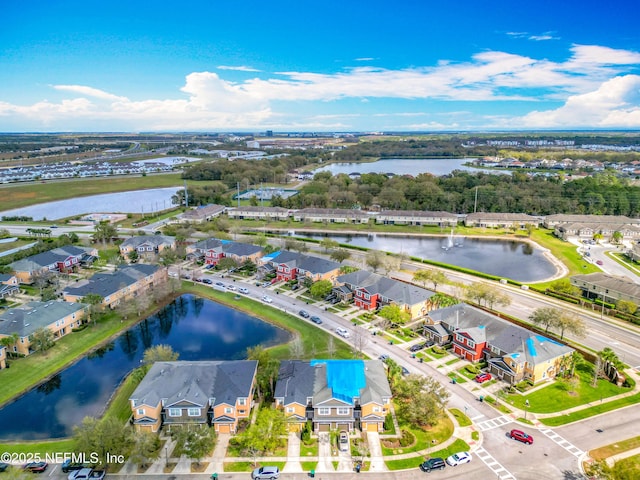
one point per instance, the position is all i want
(147, 246)
(608, 287)
(65, 259)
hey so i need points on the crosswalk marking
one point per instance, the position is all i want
(501, 472)
(568, 446)
(494, 423)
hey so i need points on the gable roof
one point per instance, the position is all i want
(196, 382)
(46, 259)
(399, 292)
(327, 380)
(155, 240)
(105, 284)
(308, 263)
(31, 316)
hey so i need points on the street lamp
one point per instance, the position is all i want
(526, 408)
(166, 456)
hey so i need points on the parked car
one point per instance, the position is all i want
(316, 319)
(483, 377)
(231, 288)
(81, 474)
(3, 466)
(458, 459)
(69, 466)
(303, 314)
(97, 475)
(219, 284)
(521, 436)
(599, 262)
(435, 463)
(343, 441)
(265, 473)
(416, 347)
(36, 467)
(243, 290)
(267, 299)
(208, 281)
(383, 357)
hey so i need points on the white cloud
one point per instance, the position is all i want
(540, 38)
(592, 79)
(616, 103)
(241, 68)
(364, 59)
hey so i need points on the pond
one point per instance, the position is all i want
(136, 201)
(520, 261)
(196, 328)
(405, 166)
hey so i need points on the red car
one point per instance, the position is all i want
(483, 377)
(36, 467)
(521, 436)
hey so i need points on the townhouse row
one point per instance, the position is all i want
(331, 394)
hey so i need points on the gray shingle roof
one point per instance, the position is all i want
(105, 284)
(155, 240)
(28, 318)
(195, 382)
(45, 259)
(309, 263)
(399, 292)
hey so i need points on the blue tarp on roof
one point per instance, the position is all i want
(531, 347)
(272, 255)
(344, 377)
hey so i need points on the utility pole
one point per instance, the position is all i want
(475, 203)
(186, 195)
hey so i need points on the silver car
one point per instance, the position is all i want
(265, 473)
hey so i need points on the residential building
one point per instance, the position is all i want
(259, 213)
(501, 220)
(147, 246)
(124, 283)
(201, 214)
(371, 291)
(3, 357)
(513, 353)
(634, 252)
(588, 230)
(550, 221)
(23, 321)
(65, 259)
(8, 285)
(213, 250)
(607, 287)
(331, 215)
(292, 265)
(214, 393)
(334, 394)
(416, 217)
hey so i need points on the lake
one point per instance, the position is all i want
(196, 328)
(136, 201)
(404, 166)
(520, 261)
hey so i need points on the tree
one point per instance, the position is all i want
(421, 400)
(267, 370)
(104, 232)
(107, 438)
(296, 348)
(339, 255)
(146, 447)
(266, 434)
(563, 285)
(133, 256)
(96, 309)
(360, 341)
(195, 441)
(374, 259)
(422, 276)
(328, 243)
(394, 314)
(321, 288)
(9, 341)
(544, 317)
(626, 306)
(260, 240)
(616, 237)
(570, 323)
(227, 263)
(159, 353)
(42, 339)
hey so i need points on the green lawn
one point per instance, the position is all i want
(414, 462)
(462, 419)
(424, 438)
(597, 409)
(309, 449)
(559, 396)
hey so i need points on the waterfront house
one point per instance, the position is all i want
(416, 217)
(330, 215)
(147, 246)
(551, 221)
(65, 259)
(259, 213)
(124, 283)
(201, 214)
(213, 393)
(371, 291)
(334, 394)
(500, 220)
(23, 321)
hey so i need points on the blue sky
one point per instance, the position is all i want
(416, 65)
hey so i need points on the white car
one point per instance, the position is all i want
(231, 287)
(243, 290)
(267, 299)
(343, 332)
(458, 459)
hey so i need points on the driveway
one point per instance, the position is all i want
(375, 450)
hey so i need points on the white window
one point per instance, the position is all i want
(242, 401)
(324, 411)
(141, 411)
(291, 410)
(459, 338)
(175, 412)
(228, 410)
(343, 411)
(193, 412)
(376, 409)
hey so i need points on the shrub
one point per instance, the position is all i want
(388, 422)
(473, 369)
(305, 435)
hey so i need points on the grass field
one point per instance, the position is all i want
(23, 195)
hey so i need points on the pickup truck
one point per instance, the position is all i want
(86, 474)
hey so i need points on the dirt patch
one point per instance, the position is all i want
(199, 467)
